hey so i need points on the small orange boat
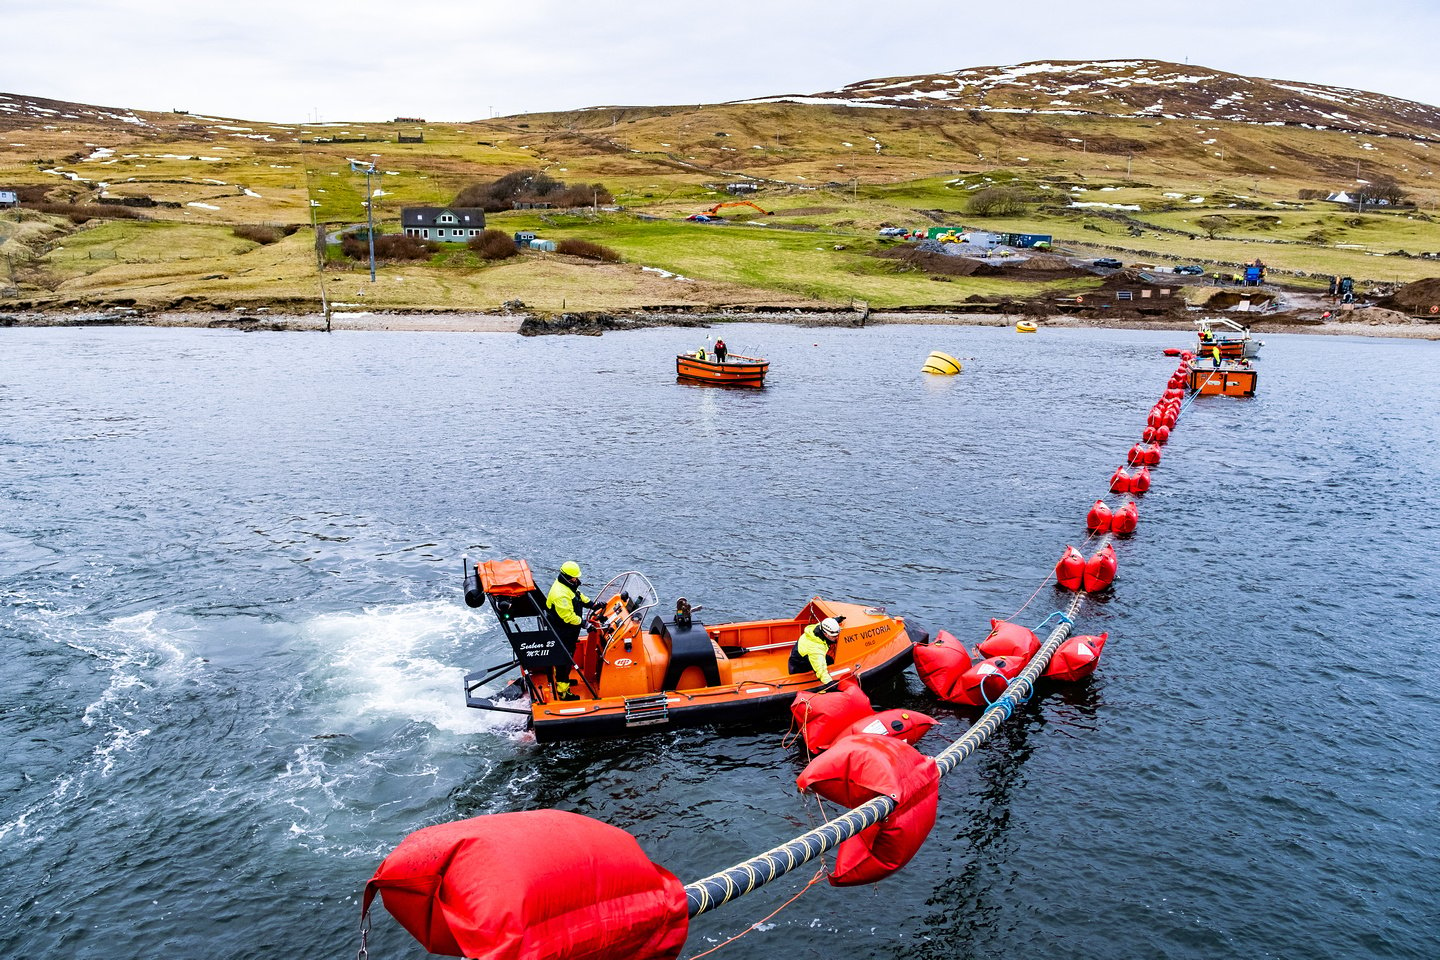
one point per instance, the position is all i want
(633, 676)
(733, 371)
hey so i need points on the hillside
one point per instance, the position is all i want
(1139, 90)
(1141, 160)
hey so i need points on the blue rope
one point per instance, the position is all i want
(1003, 701)
(1041, 625)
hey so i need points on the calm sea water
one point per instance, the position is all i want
(234, 637)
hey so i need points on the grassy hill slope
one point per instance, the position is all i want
(1156, 188)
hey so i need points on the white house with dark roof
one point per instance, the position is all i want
(8, 198)
(446, 224)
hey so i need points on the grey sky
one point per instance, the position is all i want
(284, 60)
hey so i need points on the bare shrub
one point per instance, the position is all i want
(263, 233)
(998, 202)
(1383, 188)
(83, 213)
(588, 250)
(530, 186)
(390, 246)
(493, 245)
(1212, 224)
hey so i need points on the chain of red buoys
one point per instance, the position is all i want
(720, 888)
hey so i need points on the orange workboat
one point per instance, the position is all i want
(633, 676)
(733, 371)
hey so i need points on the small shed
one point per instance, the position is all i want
(8, 198)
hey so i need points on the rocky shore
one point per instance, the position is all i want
(1365, 321)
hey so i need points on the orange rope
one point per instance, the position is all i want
(813, 880)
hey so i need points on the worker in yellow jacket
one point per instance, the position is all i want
(564, 604)
(812, 650)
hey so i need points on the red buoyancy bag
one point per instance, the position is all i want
(1070, 569)
(539, 885)
(1120, 481)
(907, 725)
(1141, 481)
(1125, 519)
(825, 717)
(1100, 569)
(1162, 434)
(1008, 639)
(987, 680)
(1098, 519)
(1149, 454)
(859, 769)
(942, 662)
(1076, 658)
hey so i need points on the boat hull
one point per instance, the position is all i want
(733, 372)
(1227, 381)
(559, 720)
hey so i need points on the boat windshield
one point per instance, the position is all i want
(638, 593)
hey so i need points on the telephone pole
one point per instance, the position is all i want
(360, 166)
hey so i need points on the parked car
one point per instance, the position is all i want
(702, 218)
(1192, 269)
(894, 232)
(1110, 262)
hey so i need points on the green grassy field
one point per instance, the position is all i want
(830, 178)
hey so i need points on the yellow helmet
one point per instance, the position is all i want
(571, 569)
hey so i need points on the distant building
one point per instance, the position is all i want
(446, 224)
(8, 198)
(1341, 197)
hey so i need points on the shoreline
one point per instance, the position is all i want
(1367, 322)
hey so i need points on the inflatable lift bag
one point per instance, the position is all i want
(541, 883)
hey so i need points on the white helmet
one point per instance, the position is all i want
(829, 628)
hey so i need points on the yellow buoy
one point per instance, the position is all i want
(1025, 326)
(941, 363)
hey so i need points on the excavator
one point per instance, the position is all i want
(736, 203)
